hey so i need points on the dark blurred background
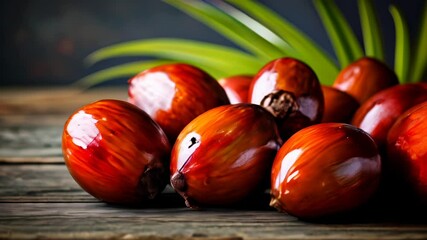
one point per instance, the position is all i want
(44, 42)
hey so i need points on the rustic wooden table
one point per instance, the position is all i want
(39, 199)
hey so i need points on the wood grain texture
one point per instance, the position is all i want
(43, 201)
(40, 200)
(39, 183)
(98, 220)
(25, 142)
(53, 101)
(32, 120)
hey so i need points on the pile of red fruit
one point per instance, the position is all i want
(319, 150)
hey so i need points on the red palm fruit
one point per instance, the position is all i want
(339, 106)
(364, 77)
(323, 170)
(407, 153)
(379, 112)
(236, 87)
(116, 152)
(224, 155)
(290, 90)
(174, 94)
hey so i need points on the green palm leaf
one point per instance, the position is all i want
(308, 50)
(262, 30)
(420, 57)
(371, 30)
(119, 71)
(230, 60)
(264, 35)
(229, 27)
(343, 39)
(401, 57)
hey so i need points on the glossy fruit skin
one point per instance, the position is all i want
(291, 91)
(116, 152)
(365, 77)
(224, 155)
(407, 154)
(174, 94)
(237, 88)
(339, 106)
(323, 170)
(377, 115)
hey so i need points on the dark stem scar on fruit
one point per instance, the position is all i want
(280, 103)
(151, 182)
(180, 185)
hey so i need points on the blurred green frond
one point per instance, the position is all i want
(229, 27)
(262, 35)
(308, 50)
(258, 28)
(212, 56)
(419, 64)
(123, 70)
(402, 50)
(129, 70)
(371, 30)
(343, 39)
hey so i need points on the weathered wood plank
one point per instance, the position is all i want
(43, 201)
(39, 183)
(98, 220)
(31, 121)
(51, 182)
(53, 101)
(30, 143)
